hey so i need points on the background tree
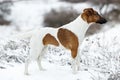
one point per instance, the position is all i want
(55, 18)
(4, 12)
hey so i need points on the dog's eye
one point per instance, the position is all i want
(96, 13)
(89, 12)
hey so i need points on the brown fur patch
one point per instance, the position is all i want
(69, 40)
(90, 15)
(49, 39)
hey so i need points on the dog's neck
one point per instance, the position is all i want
(78, 26)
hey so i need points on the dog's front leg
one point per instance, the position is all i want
(74, 66)
(78, 60)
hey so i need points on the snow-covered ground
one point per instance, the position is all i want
(100, 53)
(53, 72)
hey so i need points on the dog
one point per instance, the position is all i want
(69, 36)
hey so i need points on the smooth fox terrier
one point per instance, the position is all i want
(69, 36)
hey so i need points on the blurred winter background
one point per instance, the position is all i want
(100, 51)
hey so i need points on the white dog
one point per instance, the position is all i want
(69, 36)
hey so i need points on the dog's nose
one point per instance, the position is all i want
(101, 21)
(104, 20)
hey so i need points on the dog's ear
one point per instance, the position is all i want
(86, 13)
(84, 17)
(88, 9)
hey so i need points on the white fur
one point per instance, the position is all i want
(78, 26)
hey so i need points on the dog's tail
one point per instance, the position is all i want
(23, 35)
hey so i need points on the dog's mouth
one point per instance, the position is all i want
(101, 21)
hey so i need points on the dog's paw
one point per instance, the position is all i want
(74, 72)
(78, 68)
(42, 69)
(26, 73)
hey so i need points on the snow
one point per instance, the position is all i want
(99, 53)
(53, 72)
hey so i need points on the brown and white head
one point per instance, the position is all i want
(91, 16)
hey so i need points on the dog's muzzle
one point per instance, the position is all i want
(101, 21)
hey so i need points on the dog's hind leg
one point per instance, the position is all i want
(39, 64)
(39, 59)
(27, 62)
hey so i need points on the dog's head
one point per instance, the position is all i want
(89, 15)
